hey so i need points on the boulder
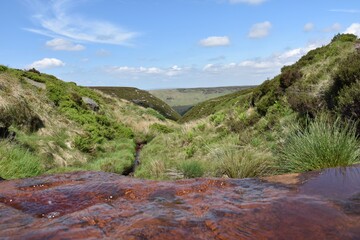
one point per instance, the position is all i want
(91, 104)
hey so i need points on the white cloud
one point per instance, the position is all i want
(251, 2)
(57, 23)
(215, 41)
(260, 30)
(250, 71)
(309, 27)
(46, 63)
(336, 27)
(354, 29)
(137, 71)
(262, 65)
(59, 44)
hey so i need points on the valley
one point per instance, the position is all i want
(183, 99)
(116, 162)
(51, 126)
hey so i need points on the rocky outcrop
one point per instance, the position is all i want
(91, 104)
(35, 84)
(94, 205)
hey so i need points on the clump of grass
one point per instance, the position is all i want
(118, 157)
(192, 169)
(244, 163)
(161, 128)
(323, 143)
(16, 162)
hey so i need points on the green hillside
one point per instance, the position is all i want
(142, 98)
(309, 85)
(301, 120)
(47, 125)
(182, 99)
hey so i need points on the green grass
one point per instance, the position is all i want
(215, 105)
(113, 156)
(192, 169)
(17, 162)
(117, 157)
(245, 162)
(322, 144)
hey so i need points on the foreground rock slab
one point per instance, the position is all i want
(97, 205)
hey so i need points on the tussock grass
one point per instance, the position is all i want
(16, 162)
(322, 144)
(244, 163)
(192, 169)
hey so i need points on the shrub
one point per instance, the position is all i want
(303, 102)
(348, 101)
(322, 144)
(344, 38)
(264, 103)
(217, 118)
(192, 169)
(3, 68)
(33, 70)
(343, 95)
(239, 123)
(244, 163)
(289, 77)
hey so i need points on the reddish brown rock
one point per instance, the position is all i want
(95, 205)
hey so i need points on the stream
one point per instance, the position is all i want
(138, 148)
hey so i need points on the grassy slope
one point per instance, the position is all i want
(142, 98)
(316, 70)
(57, 131)
(226, 135)
(181, 99)
(212, 106)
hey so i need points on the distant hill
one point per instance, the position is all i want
(142, 98)
(182, 99)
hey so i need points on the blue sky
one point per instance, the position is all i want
(154, 44)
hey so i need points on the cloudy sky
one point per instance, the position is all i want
(154, 44)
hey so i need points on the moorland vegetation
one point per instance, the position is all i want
(304, 119)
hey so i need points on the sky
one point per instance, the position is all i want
(156, 44)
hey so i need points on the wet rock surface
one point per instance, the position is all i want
(93, 205)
